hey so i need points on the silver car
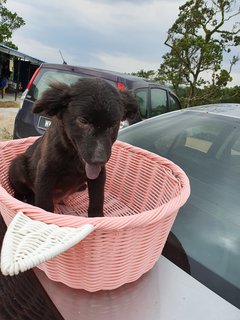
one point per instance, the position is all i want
(205, 142)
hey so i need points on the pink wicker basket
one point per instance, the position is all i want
(142, 197)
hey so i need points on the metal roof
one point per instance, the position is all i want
(16, 53)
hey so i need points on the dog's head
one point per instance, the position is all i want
(90, 111)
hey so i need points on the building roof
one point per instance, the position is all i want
(18, 54)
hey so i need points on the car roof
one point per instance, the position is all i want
(130, 80)
(223, 109)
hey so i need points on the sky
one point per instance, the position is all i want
(124, 36)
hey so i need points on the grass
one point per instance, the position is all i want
(9, 104)
(5, 134)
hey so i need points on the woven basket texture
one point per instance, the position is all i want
(143, 194)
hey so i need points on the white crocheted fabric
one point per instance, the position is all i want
(28, 243)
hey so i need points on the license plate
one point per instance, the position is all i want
(44, 122)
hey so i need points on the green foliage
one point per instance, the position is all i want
(211, 94)
(150, 74)
(197, 41)
(9, 22)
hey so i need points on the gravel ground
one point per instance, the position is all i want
(7, 117)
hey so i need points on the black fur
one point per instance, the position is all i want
(75, 148)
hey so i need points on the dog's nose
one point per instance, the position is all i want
(99, 159)
(101, 153)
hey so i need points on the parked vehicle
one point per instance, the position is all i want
(205, 142)
(153, 98)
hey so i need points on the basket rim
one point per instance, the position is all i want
(106, 223)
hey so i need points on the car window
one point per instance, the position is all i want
(201, 137)
(158, 101)
(174, 103)
(235, 149)
(46, 76)
(142, 97)
(207, 148)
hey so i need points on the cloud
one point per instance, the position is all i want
(104, 17)
(40, 51)
(119, 62)
(125, 35)
(108, 17)
(83, 28)
(236, 78)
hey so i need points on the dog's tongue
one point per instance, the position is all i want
(92, 171)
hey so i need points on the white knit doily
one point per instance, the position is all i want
(28, 243)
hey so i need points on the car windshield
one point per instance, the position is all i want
(207, 148)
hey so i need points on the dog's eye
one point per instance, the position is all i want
(82, 121)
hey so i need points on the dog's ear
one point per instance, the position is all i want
(129, 103)
(54, 100)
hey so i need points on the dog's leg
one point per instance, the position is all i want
(26, 195)
(96, 194)
(43, 196)
(18, 179)
(44, 186)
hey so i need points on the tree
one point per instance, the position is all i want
(9, 22)
(149, 74)
(197, 41)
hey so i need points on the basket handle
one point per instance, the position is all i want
(28, 243)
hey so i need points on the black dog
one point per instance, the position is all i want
(77, 145)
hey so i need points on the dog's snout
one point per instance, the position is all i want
(99, 159)
(101, 151)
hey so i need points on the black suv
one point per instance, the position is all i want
(153, 98)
